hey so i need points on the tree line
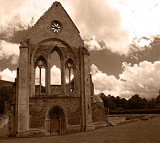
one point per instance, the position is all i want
(135, 102)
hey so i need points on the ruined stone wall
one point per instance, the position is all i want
(65, 54)
(98, 112)
(56, 90)
(42, 29)
(39, 108)
(39, 44)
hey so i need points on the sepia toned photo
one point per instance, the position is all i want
(79, 71)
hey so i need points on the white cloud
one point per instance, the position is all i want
(108, 84)
(92, 45)
(139, 18)
(142, 79)
(97, 20)
(22, 13)
(117, 23)
(8, 50)
(102, 23)
(8, 75)
(134, 21)
(55, 76)
(143, 42)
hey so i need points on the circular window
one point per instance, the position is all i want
(56, 26)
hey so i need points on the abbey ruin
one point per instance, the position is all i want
(55, 109)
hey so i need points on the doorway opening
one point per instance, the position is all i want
(55, 124)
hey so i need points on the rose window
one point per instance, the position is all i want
(56, 26)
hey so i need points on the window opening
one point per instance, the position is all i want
(40, 72)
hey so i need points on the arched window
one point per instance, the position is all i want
(55, 71)
(69, 75)
(40, 75)
(55, 64)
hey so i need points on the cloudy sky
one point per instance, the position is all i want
(123, 37)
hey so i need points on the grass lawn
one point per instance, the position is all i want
(142, 131)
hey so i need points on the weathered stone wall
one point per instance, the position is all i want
(42, 29)
(56, 90)
(39, 43)
(98, 112)
(39, 108)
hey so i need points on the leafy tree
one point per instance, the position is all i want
(158, 101)
(111, 104)
(136, 102)
(5, 96)
(109, 101)
(152, 104)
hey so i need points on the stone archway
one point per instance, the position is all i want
(55, 122)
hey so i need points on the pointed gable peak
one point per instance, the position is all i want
(55, 23)
(56, 3)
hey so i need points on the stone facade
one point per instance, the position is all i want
(55, 109)
(40, 107)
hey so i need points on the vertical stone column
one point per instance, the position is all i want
(92, 88)
(32, 80)
(33, 72)
(81, 63)
(85, 90)
(16, 102)
(63, 77)
(23, 94)
(48, 78)
(76, 79)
